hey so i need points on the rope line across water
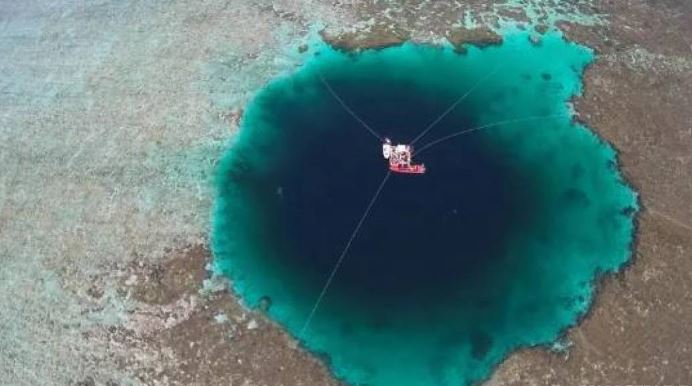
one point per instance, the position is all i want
(348, 109)
(343, 255)
(478, 128)
(454, 105)
(340, 260)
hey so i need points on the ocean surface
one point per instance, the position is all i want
(496, 247)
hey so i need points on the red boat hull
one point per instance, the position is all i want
(407, 169)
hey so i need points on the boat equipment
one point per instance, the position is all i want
(399, 157)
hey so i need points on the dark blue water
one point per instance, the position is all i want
(496, 247)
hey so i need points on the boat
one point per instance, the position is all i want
(399, 157)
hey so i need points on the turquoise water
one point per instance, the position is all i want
(495, 248)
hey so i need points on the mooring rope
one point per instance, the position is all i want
(344, 252)
(455, 104)
(342, 256)
(483, 127)
(348, 109)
